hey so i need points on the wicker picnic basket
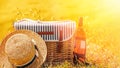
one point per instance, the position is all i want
(58, 35)
(59, 52)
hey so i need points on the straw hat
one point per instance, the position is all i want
(22, 48)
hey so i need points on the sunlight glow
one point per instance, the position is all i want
(112, 5)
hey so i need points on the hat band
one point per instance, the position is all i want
(27, 63)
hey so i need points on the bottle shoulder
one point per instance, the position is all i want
(80, 33)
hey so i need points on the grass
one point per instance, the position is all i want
(102, 35)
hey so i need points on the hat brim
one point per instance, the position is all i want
(39, 42)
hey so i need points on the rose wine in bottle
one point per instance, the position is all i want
(80, 43)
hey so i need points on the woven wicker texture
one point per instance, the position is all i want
(58, 52)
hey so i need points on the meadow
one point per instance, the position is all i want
(101, 24)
